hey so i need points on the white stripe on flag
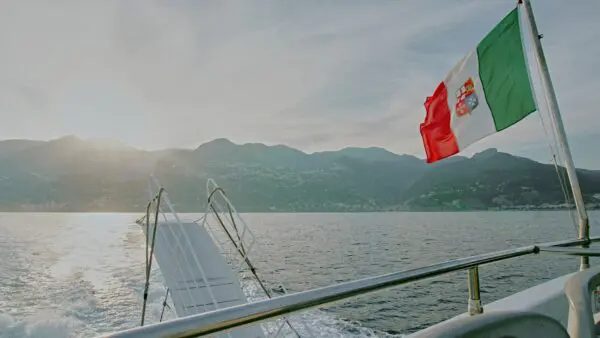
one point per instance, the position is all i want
(479, 123)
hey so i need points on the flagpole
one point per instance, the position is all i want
(584, 230)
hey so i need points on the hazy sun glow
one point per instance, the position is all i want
(309, 74)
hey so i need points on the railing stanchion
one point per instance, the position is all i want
(474, 307)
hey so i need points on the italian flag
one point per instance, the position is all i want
(487, 91)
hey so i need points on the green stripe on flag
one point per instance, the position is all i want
(503, 73)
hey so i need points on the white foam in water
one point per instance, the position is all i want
(318, 322)
(315, 323)
(41, 326)
(47, 295)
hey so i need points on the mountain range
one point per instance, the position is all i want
(70, 174)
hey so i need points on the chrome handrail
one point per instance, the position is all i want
(241, 315)
(572, 251)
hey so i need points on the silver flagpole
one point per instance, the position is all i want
(584, 229)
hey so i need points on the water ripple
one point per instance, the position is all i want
(71, 275)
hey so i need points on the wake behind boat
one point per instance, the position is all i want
(489, 90)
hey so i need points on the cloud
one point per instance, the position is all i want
(311, 74)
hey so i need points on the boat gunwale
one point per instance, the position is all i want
(246, 314)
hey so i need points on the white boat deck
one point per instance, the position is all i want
(566, 299)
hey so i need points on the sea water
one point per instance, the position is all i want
(71, 275)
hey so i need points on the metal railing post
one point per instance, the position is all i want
(554, 111)
(474, 306)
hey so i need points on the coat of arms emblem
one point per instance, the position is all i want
(466, 98)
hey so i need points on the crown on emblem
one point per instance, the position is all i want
(466, 98)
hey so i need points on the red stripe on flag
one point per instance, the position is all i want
(438, 138)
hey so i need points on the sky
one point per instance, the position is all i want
(314, 75)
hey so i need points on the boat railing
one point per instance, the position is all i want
(229, 318)
(236, 241)
(581, 312)
(155, 200)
